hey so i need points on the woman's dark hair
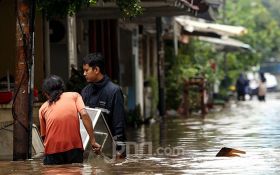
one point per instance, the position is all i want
(262, 77)
(53, 86)
(95, 59)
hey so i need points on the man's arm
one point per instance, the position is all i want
(118, 118)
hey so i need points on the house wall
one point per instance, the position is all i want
(8, 37)
(149, 55)
(103, 38)
(8, 42)
(135, 59)
(39, 66)
(131, 65)
(153, 45)
(146, 74)
(72, 43)
(59, 60)
(6, 135)
(138, 64)
(82, 40)
(126, 72)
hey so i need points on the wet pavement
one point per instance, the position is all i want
(180, 145)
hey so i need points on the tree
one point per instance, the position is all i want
(193, 59)
(263, 30)
(263, 36)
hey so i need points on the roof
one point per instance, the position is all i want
(108, 9)
(227, 42)
(190, 26)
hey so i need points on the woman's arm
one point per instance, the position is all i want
(88, 125)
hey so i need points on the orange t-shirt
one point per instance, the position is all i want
(60, 125)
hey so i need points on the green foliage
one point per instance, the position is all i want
(193, 60)
(263, 30)
(61, 8)
(129, 8)
(174, 77)
(154, 86)
(194, 98)
(261, 19)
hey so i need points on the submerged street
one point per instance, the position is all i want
(189, 145)
(135, 60)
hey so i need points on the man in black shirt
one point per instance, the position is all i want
(102, 93)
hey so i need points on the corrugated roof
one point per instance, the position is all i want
(201, 26)
(225, 41)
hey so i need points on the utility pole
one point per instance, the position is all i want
(23, 93)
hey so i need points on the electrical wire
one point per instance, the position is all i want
(6, 126)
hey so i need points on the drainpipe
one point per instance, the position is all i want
(160, 67)
(31, 74)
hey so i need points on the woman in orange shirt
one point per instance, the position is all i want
(59, 124)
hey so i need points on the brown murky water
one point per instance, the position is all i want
(189, 145)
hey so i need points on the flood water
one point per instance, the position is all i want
(180, 145)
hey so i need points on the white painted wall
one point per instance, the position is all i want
(47, 48)
(138, 70)
(72, 43)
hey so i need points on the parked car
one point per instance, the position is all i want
(271, 83)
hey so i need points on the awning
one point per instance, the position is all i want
(191, 26)
(226, 42)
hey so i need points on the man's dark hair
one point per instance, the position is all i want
(95, 59)
(54, 87)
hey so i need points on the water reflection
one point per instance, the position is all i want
(250, 126)
(36, 167)
(68, 169)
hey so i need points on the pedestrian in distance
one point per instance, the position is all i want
(59, 124)
(102, 93)
(262, 88)
(241, 86)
